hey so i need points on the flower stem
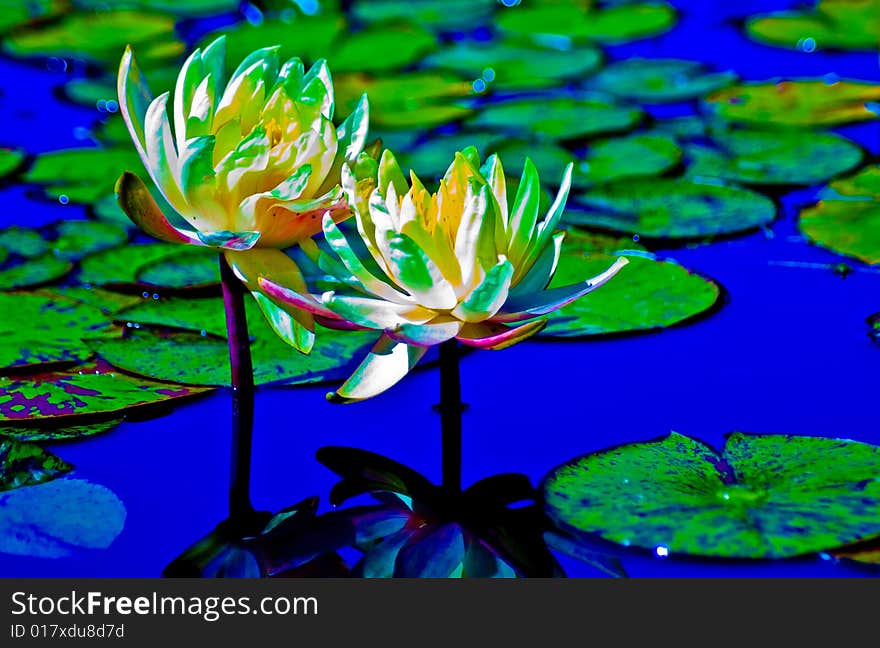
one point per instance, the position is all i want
(450, 415)
(240, 508)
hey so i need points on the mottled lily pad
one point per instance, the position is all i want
(762, 496)
(672, 209)
(24, 242)
(106, 300)
(51, 434)
(95, 391)
(55, 519)
(834, 24)
(562, 118)
(196, 315)
(625, 157)
(10, 160)
(38, 329)
(549, 158)
(513, 66)
(26, 464)
(38, 271)
(77, 239)
(380, 48)
(438, 14)
(85, 174)
(612, 25)
(774, 158)
(647, 294)
(188, 268)
(15, 13)
(414, 100)
(847, 218)
(122, 266)
(655, 81)
(431, 157)
(100, 36)
(796, 104)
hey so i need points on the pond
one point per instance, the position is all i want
(784, 350)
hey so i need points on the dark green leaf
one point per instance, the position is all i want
(190, 267)
(77, 239)
(121, 265)
(26, 464)
(625, 157)
(10, 160)
(380, 48)
(51, 434)
(439, 14)
(833, 24)
(83, 175)
(24, 242)
(660, 80)
(35, 272)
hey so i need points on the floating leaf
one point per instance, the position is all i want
(672, 209)
(91, 91)
(188, 8)
(188, 268)
(88, 391)
(107, 301)
(847, 218)
(25, 242)
(100, 36)
(796, 104)
(121, 265)
(549, 158)
(561, 118)
(647, 294)
(51, 434)
(625, 157)
(612, 25)
(430, 158)
(39, 329)
(655, 81)
(834, 24)
(25, 464)
(867, 553)
(512, 66)
(380, 48)
(439, 14)
(35, 272)
(196, 315)
(774, 158)
(10, 160)
(77, 239)
(85, 174)
(54, 519)
(763, 496)
(15, 13)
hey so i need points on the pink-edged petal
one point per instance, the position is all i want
(425, 335)
(528, 306)
(225, 240)
(386, 364)
(488, 335)
(299, 300)
(138, 204)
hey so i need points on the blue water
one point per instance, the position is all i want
(788, 353)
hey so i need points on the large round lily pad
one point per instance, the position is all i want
(562, 118)
(762, 496)
(797, 103)
(774, 158)
(38, 329)
(625, 157)
(53, 520)
(164, 265)
(847, 218)
(15, 13)
(380, 49)
(26, 464)
(513, 66)
(100, 36)
(431, 157)
(50, 434)
(96, 391)
(188, 268)
(438, 14)
(834, 24)
(655, 81)
(647, 294)
(85, 174)
(672, 209)
(38, 271)
(612, 25)
(77, 239)
(23, 241)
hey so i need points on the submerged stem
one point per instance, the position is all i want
(240, 508)
(450, 415)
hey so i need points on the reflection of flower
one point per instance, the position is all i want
(251, 162)
(427, 268)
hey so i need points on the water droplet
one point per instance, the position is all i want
(636, 238)
(625, 480)
(146, 295)
(63, 199)
(489, 75)
(807, 44)
(82, 133)
(155, 295)
(252, 14)
(112, 106)
(831, 78)
(479, 86)
(102, 105)
(662, 551)
(510, 3)
(55, 64)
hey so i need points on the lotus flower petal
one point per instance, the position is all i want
(486, 335)
(386, 364)
(134, 100)
(138, 204)
(485, 300)
(525, 213)
(229, 240)
(539, 275)
(376, 313)
(430, 334)
(161, 157)
(547, 227)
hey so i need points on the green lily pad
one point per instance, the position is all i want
(38, 271)
(380, 48)
(196, 315)
(688, 127)
(107, 210)
(39, 329)
(89, 91)
(512, 66)
(550, 159)
(193, 359)
(847, 218)
(95, 391)
(672, 209)
(26, 464)
(54, 519)
(432, 157)
(190, 267)
(834, 24)
(25, 242)
(188, 8)
(51, 434)
(774, 158)
(632, 156)
(85, 174)
(795, 104)
(562, 118)
(10, 160)
(655, 81)
(414, 100)
(647, 294)
(107, 301)
(613, 25)
(100, 36)
(762, 496)
(439, 14)
(15, 13)
(77, 239)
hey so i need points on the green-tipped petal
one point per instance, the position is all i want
(493, 336)
(134, 100)
(321, 71)
(485, 300)
(160, 153)
(226, 240)
(390, 173)
(539, 275)
(524, 215)
(386, 364)
(546, 229)
(184, 91)
(475, 239)
(376, 313)
(414, 270)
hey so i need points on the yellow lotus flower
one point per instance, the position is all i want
(250, 165)
(427, 268)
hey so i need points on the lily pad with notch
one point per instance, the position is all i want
(631, 156)
(83, 175)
